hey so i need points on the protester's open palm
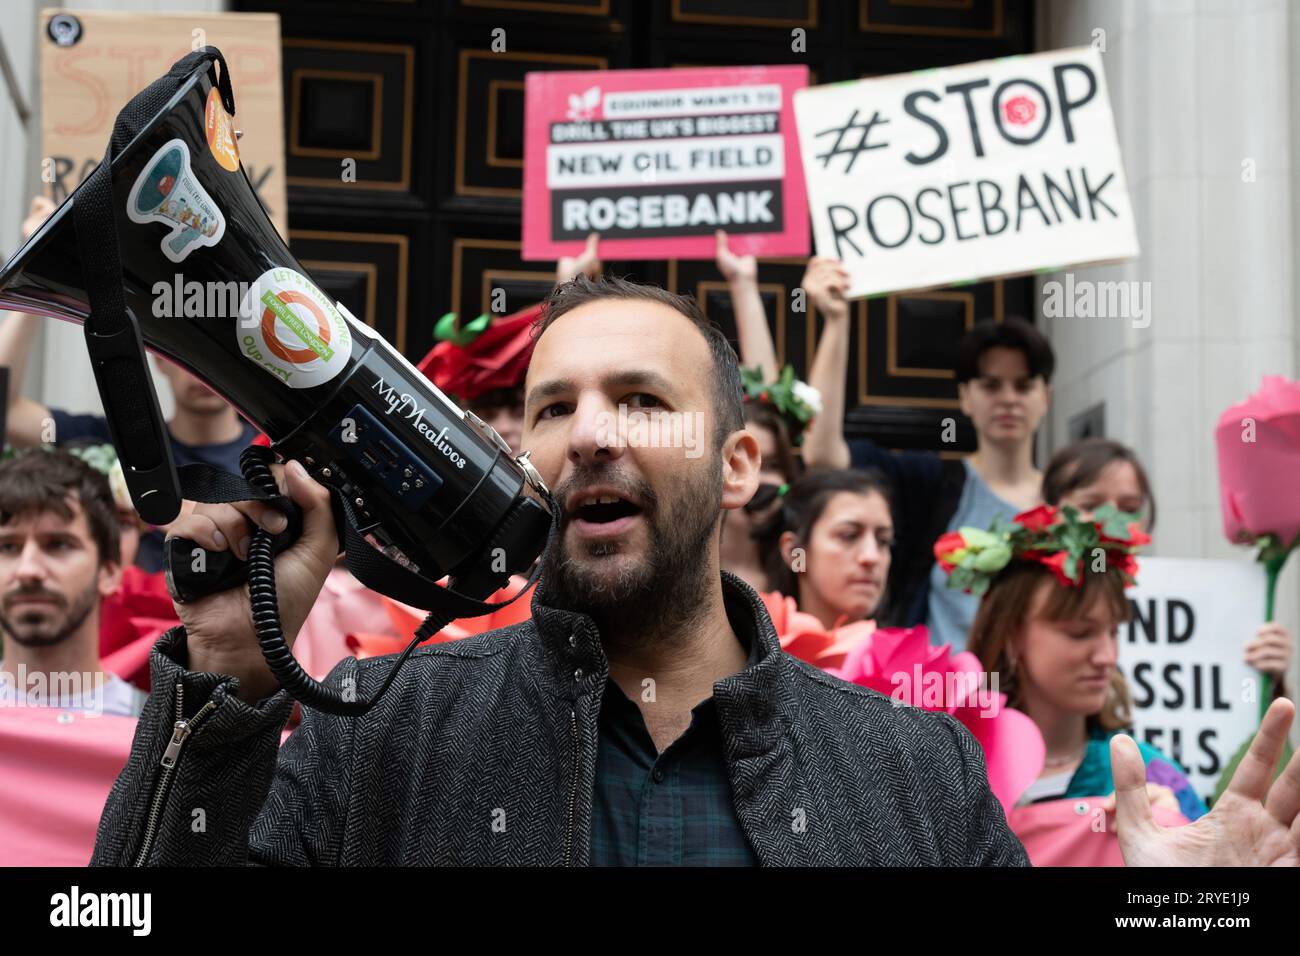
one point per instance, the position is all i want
(1252, 824)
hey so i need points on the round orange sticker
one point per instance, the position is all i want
(220, 131)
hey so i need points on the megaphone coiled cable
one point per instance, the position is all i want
(255, 463)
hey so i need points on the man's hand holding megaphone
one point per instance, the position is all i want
(219, 627)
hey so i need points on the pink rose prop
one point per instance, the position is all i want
(902, 664)
(804, 637)
(1259, 457)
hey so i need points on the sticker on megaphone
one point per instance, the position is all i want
(167, 191)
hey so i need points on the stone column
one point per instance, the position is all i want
(1201, 91)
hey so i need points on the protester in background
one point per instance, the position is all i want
(204, 427)
(1098, 471)
(828, 547)
(1004, 372)
(1048, 625)
(140, 610)
(741, 551)
(59, 558)
(763, 419)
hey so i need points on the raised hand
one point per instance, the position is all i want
(39, 211)
(734, 268)
(1269, 651)
(585, 263)
(219, 631)
(1252, 824)
(826, 283)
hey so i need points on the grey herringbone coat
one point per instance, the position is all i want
(484, 752)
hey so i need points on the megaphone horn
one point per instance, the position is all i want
(422, 489)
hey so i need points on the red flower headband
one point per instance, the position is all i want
(1056, 538)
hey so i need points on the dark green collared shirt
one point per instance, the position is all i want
(663, 809)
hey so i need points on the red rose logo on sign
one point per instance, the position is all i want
(1020, 110)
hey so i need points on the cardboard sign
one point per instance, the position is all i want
(92, 63)
(657, 160)
(1194, 697)
(989, 169)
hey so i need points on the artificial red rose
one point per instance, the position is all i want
(1134, 538)
(1126, 564)
(1056, 562)
(946, 545)
(1037, 519)
(496, 359)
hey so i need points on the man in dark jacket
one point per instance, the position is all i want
(645, 715)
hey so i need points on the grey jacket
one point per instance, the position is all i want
(483, 751)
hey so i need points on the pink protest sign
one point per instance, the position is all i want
(657, 160)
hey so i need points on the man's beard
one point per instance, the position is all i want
(78, 611)
(657, 594)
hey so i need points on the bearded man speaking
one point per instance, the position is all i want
(644, 715)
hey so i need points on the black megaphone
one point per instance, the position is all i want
(421, 488)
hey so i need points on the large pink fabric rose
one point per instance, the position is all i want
(804, 637)
(1259, 456)
(902, 664)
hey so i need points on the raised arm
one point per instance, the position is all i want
(25, 423)
(741, 273)
(825, 283)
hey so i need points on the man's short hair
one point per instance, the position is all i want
(728, 395)
(40, 479)
(1013, 333)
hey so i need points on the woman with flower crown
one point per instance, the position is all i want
(829, 547)
(1052, 587)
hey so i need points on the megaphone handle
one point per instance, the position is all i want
(193, 572)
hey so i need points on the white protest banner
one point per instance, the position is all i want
(995, 168)
(1194, 697)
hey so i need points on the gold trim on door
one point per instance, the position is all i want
(918, 401)
(402, 243)
(376, 127)
(601, 11)
(492, 158)
(704, 286)
(809, 21)
(462, 93)
(546, 276)
(458, 247)
(408, 105)
(865, 24)
(369, 269)
(779, 340)
(891, 352)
